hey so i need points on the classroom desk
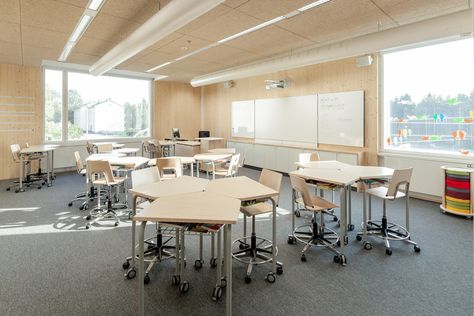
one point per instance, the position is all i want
(184, 161)
(198, 207)
(38, 149)
(211, 159)
(127, 151)
(342, 178)
(246, 189)
(322, 164)
(187, 148)
(208, 143)
(222, 151)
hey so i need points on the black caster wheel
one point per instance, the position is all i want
(198, 264)
(337, 259)
(279, 270)
(350, 227)
(303, 258)
(216, 294)
(248, 279)
(126, 265)
(335, 219)
(223, 282)
(131, 273)
(116, 224)
(16, 191)
(291, 240)
(176, 279)
(242, 246)
(270, 277)
(417, 249)
(69, 204)
(184, 287)
(367, 245)
(8, 189)
(88, 217)
(39, 188)
(85, 207)
(346, 240)
(88, 226)
(213, 262)
(388, 252)
(358, 237)
(43, 183)
(27, 185)
(343, 260)
(297, 213)
(146, 279)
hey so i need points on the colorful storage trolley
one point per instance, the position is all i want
(458, 197)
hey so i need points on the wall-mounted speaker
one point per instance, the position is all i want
(364, 61)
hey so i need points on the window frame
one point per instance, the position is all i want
(381, 150)
(65, 97)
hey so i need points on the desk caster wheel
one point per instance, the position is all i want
(131, 273)
(88, 226)
(176, 279)
(85, 207)
(388, 251)
(248, 279)
(270, 277)
(417, 249)
(216, 293)
(340, 259)
(367, 245)
(146, 279)
(242, 246)
(213, 262)
(279, 270)
(297, 213)
(350, 227)
(291, 240)
(39, 188)
(126, 265)
(8, 189)
(335, 219)
(116, 224)
(346, 241)
(198, 264)
(303, 257)
(69, 204)
(358, 237)
(184, 287)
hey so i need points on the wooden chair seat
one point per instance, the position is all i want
(256, 209)
(318, 204)
(117, 180)
(381, 192)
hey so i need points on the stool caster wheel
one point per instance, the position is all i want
(88, 226)
(85, 207)
(216, 293)
(131, 273)
(146, 279)
(176, 279)
(8, 189)
(223, 282)
(303, 257)
(367, 245)
(388, 251)
(126, 265)
(279, 270)
(116, 224)
(248, 279)
(358, 237)
(270, 277)
(69, 204)
(340, 259)
(417, 249)
(335, 219)
(350, 227)
(297, 213)
(184, 287)
(198, 264)
(291, 240)
(213, 262)
(88, 218)
(242, 246)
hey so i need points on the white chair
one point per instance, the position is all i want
(384, 229)
(232, 168)
(314, 234)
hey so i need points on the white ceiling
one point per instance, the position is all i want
(34, 30)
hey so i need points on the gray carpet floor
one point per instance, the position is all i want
(50, 265)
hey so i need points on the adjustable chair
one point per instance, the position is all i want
(28, 177)
(259, 249)
(314, 234)
(384, 229)
(102, 168)
(167, 164)
(231, 169)
(105, 148)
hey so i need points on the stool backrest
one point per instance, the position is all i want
(399, 177)
(79, 164)
(100, 167)
(233, 165)
(272, 180)
(90, 148)
(15, 149)
(171, 164)
(299, 185)
(145, 176)
(307, 157)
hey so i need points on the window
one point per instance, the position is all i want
(428, 99)
(99, 107)
(53, 104)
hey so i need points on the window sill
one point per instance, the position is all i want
(469, 160)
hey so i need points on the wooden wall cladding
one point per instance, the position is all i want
(21, 112)
(337, 76)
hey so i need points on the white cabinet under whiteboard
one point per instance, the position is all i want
(243, 122)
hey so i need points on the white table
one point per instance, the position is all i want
(127, 151)
(38, 149)
(342, 178)
(322, 164)
(222, 151)
(198, 207)
(211, 159)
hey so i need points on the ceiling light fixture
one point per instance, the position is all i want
(252, 29)
(95, 4)
(80, 27)
(312, 5)
(160, 66)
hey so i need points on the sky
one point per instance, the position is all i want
(443, 69)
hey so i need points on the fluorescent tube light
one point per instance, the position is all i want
(252, 29)
(160, 66)
(67, 49)
(94, 4)
(312, 5)
(81, 26)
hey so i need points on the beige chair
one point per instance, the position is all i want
(254, 250)
(314, 234)
(90, 148)
(231, 169)
(169, 164)
(28, 178)
(383, 229)
(81, 170)
(105, 148)
(100, 174)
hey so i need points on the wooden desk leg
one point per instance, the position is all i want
(141, 270)
(274, 241)
(228, 270)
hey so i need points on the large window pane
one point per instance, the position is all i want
(53, 105)
(107, 107)
(428, 99)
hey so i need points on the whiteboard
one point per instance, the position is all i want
(341, 118)
(243, 118)
(291, 119)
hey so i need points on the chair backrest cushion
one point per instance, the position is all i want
(272, 180)
(399, 177)
(145, 176)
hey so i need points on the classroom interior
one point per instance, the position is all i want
(219, 157)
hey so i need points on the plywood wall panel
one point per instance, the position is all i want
(335, 76)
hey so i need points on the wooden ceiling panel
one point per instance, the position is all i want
(135, 66)
(197, 66)
(225, 25)
(34, 55)
(10, 49)
(10, 32)
(269, 41)
(83, 59)
(165, 41)
(10, 11)
(338, 20)
(43, 38)
(176, 74)
(77, 3)
(403, 11)
(267, 10)
(10, 59)
(234, 3)
(92, 46)
(205, 18)
(184, 45)
(227, 55)
(50, 15)
(110, 28)
(156, 58)
(136, 10)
